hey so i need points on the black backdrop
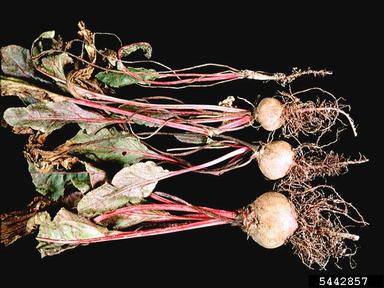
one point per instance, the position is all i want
(275, 39)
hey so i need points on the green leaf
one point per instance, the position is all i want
(65, 226)
(118, 79)
(53, 183)
(111, 197)
(110, 145)
(144, 46)
(48, 117)
(54, 64)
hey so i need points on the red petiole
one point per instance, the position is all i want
(235, 118)
(196, 217)
(140, 233)
(163, 207)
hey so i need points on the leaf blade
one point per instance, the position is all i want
(65, 226)
(110, 145)
(118, 79)
(16, 61)
(144, 46)
(48, 117)
(54, 64)
(53, 182)
(109, 197)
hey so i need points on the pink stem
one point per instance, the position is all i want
(190, 128)
(228, 76)
(188, 113)
(224, 213)
(87, 120)
(208, 131)
(157, 197)
(208, 78)
(187, 107)
(245, 120)
(214, 119)
(234, 159)
(181, 75)
(239, 151)
(144, 207)
(234, 153)
(137, 234)
(165, 218)
(162, 207)
(91, 94)
(198, 217)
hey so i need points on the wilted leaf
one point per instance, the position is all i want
(16, 61)
(128, 220)
(48, 117)
(136, 174)
(50, 62)
(54, 64)
(110, 197)
(191, 138)
(37, 46)
(47, 35)
(144, 46)
(150, 113)
(64, 226)
(13, 225)
(36, 220)
(158, 114)
(117, 79)
(110, 145)
(96, 175)
(101, 200)
(52, 184)
(27, 92)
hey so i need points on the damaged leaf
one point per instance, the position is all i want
(38, 46)
(110, 145)
(52, 62)
(110, 197)
(48, 117)
(192, 138)
(144, 46)
(53, 183)
(55, 64)
(124, 221)
(117, 79)
(96, 175)
(150, 113)
(101, 200)
(16, 61)
(136, 174)
(64, 226)
(13, 225)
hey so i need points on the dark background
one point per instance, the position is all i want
(274, 39)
